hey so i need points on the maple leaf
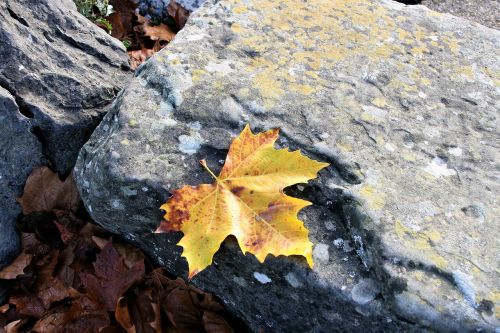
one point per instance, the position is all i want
(112, 278)
(246, 201)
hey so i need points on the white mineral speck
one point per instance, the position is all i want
(262, 278)
(144, 189)
(324, 136)
(390, 147)
(374, 111)
(457, 151)
(320, 253)
(195, 125)
(329, 225)
(117, 204)
(292, 280)
(422, 95)
(338, 243)
(190, 144)
(438, 168)
(115, 155)
(222, 67)
(365, 291)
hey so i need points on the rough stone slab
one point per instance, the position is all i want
(20, 152)
(486, 12)
(403, 101)
(61, 69)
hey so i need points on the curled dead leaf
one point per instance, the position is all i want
(45, 192)
(17, 267)
(160, 32)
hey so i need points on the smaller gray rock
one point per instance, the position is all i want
(365, 291)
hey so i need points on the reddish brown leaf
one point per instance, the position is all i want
(130, 254)
(122, 315)
(28, 305)
(52, 290)
(215, 323)
(66, 234)
(85, 315)
(144, 309)
(112, 278)
(17, 267)
(178, 13)
(182, 313)
(122, 18)
(160, 32)
(139, 56)
(44, 192)
(13, 327)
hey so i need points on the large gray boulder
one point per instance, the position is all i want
(62, 71)
(20, 152)
(401, 100)
(58, 74)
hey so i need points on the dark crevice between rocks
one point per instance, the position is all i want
(17, 17)
(23, 107)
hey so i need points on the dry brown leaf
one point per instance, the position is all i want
(129, 254)
(17, 267)
(215, 323)
(13, 327)
(84, 315)
(45, 192)
(122, 315)
(112, 278)
(182, 313)
(122, 18)
(28, 305)
(160, 32)
(139, 56)
(178, 13)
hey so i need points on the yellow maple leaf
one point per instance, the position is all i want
(246, 201)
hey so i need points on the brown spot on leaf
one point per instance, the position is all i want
(237, 190)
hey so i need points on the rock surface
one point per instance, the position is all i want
(20, 152)
(58, 73)
(401, 100)
(486, 12)
(62, 71)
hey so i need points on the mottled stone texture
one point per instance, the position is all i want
(62, 70)
(402, 101)
(58, 73)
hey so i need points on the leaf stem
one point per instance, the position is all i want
(204, 164)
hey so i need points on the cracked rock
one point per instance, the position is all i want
(419, 218)
(61, 69)
(58, 73)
